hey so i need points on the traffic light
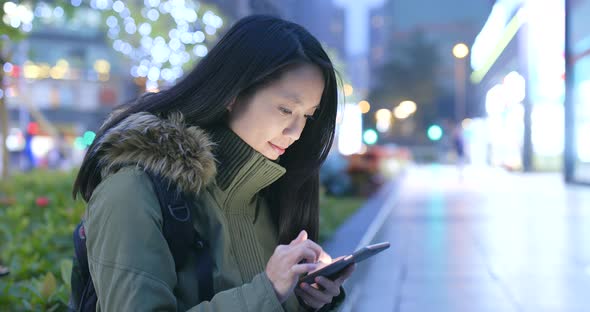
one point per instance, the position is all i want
(434, 133)
(370, 136)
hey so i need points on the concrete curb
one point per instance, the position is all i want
(378, 207)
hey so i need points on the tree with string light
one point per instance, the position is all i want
(160, 38)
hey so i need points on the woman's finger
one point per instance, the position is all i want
(330, 287)
(303, 268)
(325, 257)
(302, 254)
(308, 299)
(312, 252)
(300, 238)
(316, 293)
(313, 246)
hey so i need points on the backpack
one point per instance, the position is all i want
(177, 227)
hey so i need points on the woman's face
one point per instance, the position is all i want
(274, 116)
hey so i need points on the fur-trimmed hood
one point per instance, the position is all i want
(166, 147)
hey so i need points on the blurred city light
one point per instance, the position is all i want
(547, 129)
(7, 67)
(383, 126)
(350, 130)
(168, 56)
(582, 146)
(79, 143)
(88, 137)
(460, 50)
(364, 106)
(348, 90)
(160, 59)
(383, 114)
(493, 39)
(383, 117)
(41, 145)
(102, 66)
(404, 109)
(18, 16)
(33, 128)
(465, 123)
(495, 100)
(15, 141)
(400, 113)
(30, 70)
(515, 86)
(408, 106)
(434, 132)
(370, 136)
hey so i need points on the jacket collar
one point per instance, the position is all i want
(188, 155)
(166, 147)
(242, 171)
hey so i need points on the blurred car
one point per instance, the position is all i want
(334, 175)
(376, 166)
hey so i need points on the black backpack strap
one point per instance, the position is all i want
(180, 234)
(80, 252)
(83, 297)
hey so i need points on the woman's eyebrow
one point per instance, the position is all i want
(294, 98)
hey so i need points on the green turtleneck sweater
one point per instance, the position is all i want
(129, 259)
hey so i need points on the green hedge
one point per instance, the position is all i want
(37, 217)
(334, 211)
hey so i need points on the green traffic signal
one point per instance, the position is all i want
(434, 133)
(370, 136)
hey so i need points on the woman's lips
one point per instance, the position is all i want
(278, 149)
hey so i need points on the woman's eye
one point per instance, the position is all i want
(309, 117)
(285, 111)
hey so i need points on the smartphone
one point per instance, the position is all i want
(333, 270)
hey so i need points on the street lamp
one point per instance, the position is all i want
(364, 106)
(404, 109)
(348, 90)
(383, 117)
(460, 52)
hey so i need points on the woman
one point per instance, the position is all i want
(245, 132)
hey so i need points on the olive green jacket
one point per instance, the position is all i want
(129, 259)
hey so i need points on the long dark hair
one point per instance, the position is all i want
(255, 51)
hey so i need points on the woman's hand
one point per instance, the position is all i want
(285, 265)
(323, 290)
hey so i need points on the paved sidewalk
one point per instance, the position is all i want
(491, 241)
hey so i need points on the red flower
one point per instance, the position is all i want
(42, 201)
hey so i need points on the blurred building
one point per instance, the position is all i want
(378, 41)
(60, 84)
(577, 109)
(236, 9)
(444, 23)
(71, 77)
(320, 17)
(519, 67)
(80, 59)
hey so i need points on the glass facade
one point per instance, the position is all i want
(579, 53)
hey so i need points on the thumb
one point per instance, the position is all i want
(300, 238)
